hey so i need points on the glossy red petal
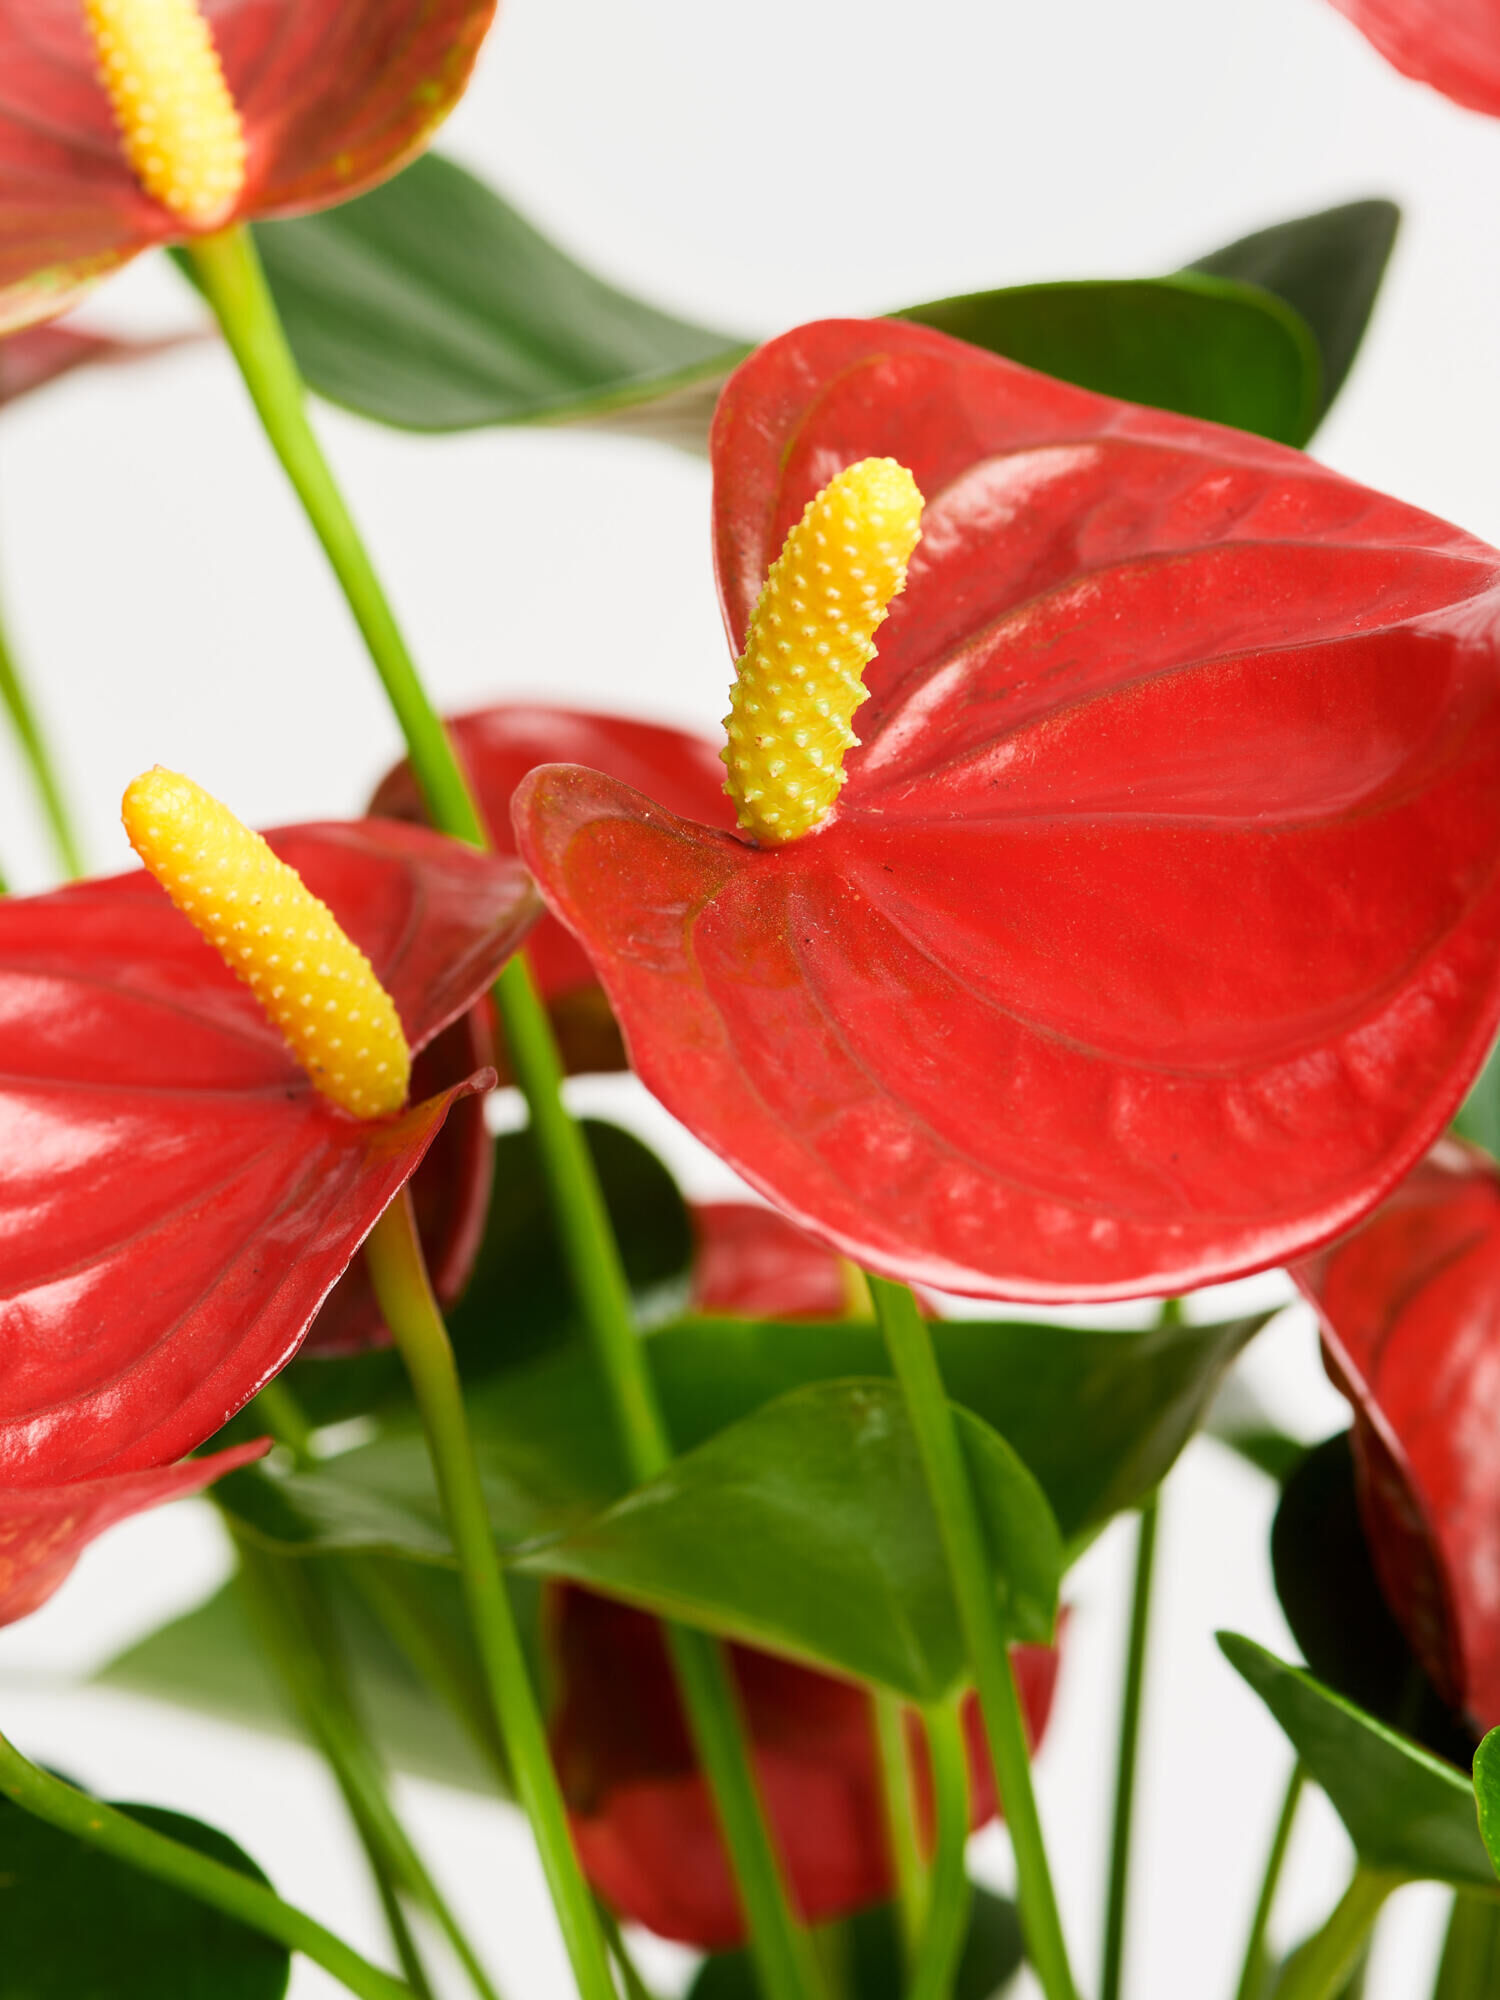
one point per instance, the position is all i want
(1157, 931)
(175, 1199)
(1410, 1307)
(44, 1529)
(641, 1814)
(754, 1263)
(1452, 44)
(334, 95)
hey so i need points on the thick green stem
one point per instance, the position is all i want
(915, 1366)
(208, 1881)
(888, 1719)
(1257, 1959)
(942, 1945)
(1319, 1969)
(399, 1275)
(298, 1636)
(33, 746)
(1125, 1769)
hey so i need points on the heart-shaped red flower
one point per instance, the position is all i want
(1452, 44)
(333, 95)
(1157, 930)
(176, 1200)
(1410, 1308)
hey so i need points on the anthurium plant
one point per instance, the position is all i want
(1093, 895)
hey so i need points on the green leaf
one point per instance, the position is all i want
(79, 1925)
(992, 1956)
(1470, 1968)
(1407, 1812)
(1239, 1420)
(1327, 267)
(1205, 347)
(1487, 1793)
(1478, 1118)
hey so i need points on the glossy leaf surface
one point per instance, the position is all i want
(433, 305)
(1156, 932)
(79, 1925)
(1405, 1810)
(1452, 44)
(1410, 1308)
(992, 1956)
(44, 1529)
(1487, 1793)
(175, 1199)
(334, 95)
(642, 1817)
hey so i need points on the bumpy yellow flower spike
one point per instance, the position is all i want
(178, 123)
(316, 985)
(811, 637)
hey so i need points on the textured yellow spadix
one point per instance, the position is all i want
(178, 123)
(811, 637)
(316, 985)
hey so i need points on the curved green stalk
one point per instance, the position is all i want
(909, 1345)
(1319, 1969)
(947, 1923)
(197, 1875)
(33, 746)
(888, 1719)
(1257, 1960)
(1130, 1727)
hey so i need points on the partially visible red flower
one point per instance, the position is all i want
(1452, 44)
(642, 1817)
(38, 355)
(333, 95)
(176, 1200)
(752, 1262)
(498, 746)
(1410, 1309)
(1156, 932)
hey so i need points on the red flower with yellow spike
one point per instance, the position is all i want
(129, 123)
(1156, 932)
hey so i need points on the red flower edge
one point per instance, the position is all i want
(176, 1201)
(641, 1814)
(1452, 44)
(753, 1263)
(41, 354)
(1157, 933)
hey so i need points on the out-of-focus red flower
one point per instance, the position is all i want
(1452, 44)
(1410, 1308)
(497, 747)
(641, 1814)
(1157, 930)
(753, 1263)
(38, 355)
(333, 95)
(176, 1200)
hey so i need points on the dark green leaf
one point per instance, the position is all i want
(79, 1925)
(1406, 1811)
(1326, 1582)
(1487, 1793)
(1327, 267)
(1470, 1968)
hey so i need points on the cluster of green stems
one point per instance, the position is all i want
(297, 1630)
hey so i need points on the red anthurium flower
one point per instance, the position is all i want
(1452, 44)
(324, 98)
(498, 746)
(1155, 932)
(176, 1199)
(752, 1262)
(44, 1529)
(641, 1814)
(1410, 1308)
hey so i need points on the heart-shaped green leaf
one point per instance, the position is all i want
(1407, 1812)
(79, 1925)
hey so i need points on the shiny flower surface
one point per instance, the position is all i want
(1452, 44)
(1157, 930)
(331, 95)
(176, 1200)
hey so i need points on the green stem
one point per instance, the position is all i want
(1130, 1727)
(303, 1646)
(888, 1718)
(1256, 1963)
(197, 1875)
(229, 274)
(399, 1275)
(33, 745)
(909, 1345)
(1319, 1969)
(630, 1976)
(948, 1903)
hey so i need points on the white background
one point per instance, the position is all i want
(751, 166)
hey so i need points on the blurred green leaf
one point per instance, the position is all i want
(1239, 1420)
(1470, 1968)
(1487, 1793)
(80, 1925)
(1478, 1117)
(1406, 1811)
